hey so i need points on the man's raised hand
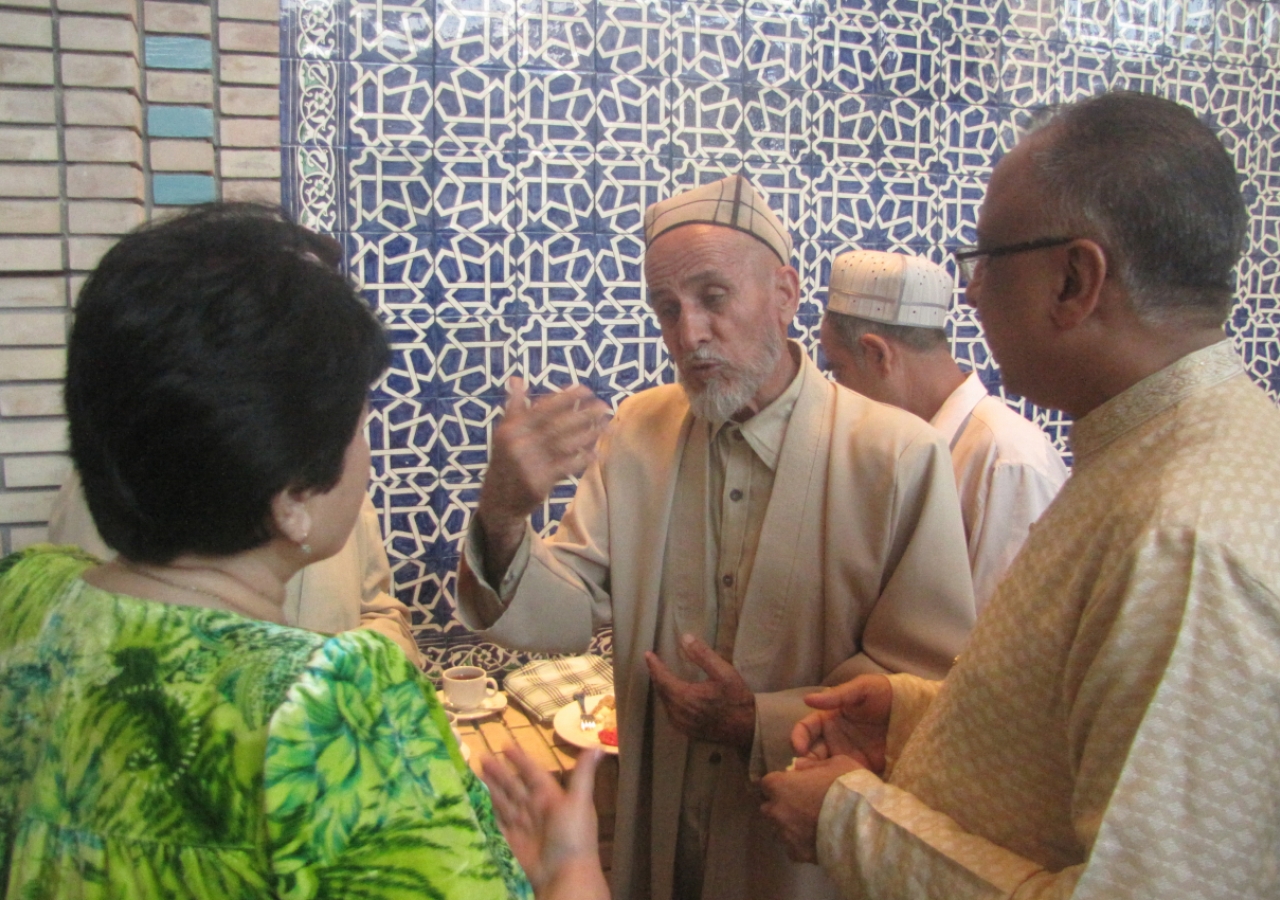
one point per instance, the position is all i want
(536, 445)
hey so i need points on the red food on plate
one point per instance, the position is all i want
(608, 736)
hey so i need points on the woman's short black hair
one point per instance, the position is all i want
(216, 359)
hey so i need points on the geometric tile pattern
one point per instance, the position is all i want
(487, 164)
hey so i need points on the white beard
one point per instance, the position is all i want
(733, 387)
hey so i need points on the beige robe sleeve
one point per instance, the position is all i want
(380, 611)
(912, 698)
(563, 580)
(925, 609)
(1173, 723)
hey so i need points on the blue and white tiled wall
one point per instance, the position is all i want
(487, 163)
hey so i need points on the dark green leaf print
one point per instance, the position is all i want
(363, 790)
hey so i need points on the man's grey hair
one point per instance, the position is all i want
(1154, 186)
(849, 330)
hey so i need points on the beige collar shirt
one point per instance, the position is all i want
(743, 460)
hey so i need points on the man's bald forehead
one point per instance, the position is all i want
(1014, 191)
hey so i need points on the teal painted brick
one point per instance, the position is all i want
(182, 190)
(180, 121)
(179, 53)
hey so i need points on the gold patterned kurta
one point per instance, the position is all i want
(1113, 728)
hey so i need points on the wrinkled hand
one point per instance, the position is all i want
(721, 709)
(552, 832)
(794, 801)
(853, 721)
(536, 445)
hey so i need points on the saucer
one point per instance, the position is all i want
(488, 707)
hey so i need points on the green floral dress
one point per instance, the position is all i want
(156, 751)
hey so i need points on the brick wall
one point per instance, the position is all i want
(111, 112)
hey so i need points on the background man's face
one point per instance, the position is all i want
(712, 289)
(846, 366)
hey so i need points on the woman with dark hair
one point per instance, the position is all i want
(160, 736)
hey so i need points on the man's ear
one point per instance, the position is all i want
(877, 354)
(1084, 275)
(787, 283)
(291, 516)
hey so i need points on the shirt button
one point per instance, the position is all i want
(735, 495)
(728, 580)
(714, 757)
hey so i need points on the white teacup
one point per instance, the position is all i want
(466, 687)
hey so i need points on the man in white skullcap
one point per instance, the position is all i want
(750, 533)
(883, 337)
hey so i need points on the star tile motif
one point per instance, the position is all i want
(487, 163)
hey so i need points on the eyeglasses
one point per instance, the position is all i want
(968, 257)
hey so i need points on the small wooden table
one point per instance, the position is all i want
(495, 734)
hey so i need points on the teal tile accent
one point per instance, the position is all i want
(179, 53)
(180, 121)
(182, 190)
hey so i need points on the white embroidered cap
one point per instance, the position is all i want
(732, 202)
(892, 288)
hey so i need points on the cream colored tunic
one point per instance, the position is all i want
(1113, 729)
(1007, 472)
(351, 589)
(860, 566)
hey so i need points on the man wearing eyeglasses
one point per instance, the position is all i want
(882, 335)
(1110, 730)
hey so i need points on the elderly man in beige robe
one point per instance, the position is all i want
(751, 533)
(1111, 730)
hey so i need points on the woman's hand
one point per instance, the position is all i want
(552, 832)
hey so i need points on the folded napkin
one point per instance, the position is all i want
(545, 685)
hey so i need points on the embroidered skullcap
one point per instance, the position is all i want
(730, 201)
(892, 288)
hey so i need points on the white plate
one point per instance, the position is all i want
(490, 706)
(567, 726)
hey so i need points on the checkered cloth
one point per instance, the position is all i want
(545, 685)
